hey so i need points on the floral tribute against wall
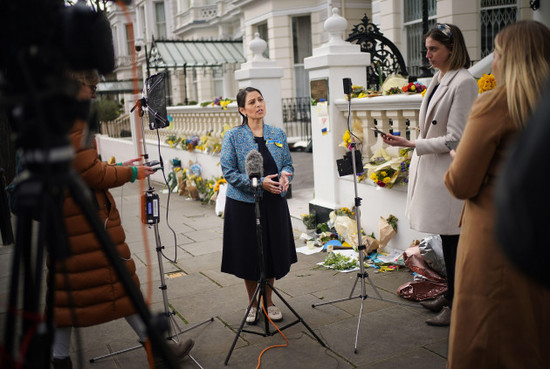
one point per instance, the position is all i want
(387, 171)
(207, 143)
(188, 182)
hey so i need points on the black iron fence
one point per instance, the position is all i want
(297, 121)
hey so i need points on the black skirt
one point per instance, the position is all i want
(240, 242)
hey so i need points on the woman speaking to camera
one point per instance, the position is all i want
(240, 244)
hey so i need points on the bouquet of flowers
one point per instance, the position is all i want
(414, 87)
(394, 91)
(173, 140)
(385, 170)
(486, 82)
(219, 101)
(309, 220)
(189, 144)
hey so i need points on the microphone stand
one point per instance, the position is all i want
(362, 275)
(263, 283)
(173, 329)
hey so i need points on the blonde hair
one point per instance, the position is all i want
(523, 66)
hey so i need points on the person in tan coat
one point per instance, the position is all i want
(87, 290)
(443, 114)
(500, 318)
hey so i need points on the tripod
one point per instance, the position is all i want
(152, 217)
(263, 283)
(45, 182)
(362, 275)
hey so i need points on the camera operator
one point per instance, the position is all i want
(87, 290)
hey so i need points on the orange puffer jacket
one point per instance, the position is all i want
(92, 290)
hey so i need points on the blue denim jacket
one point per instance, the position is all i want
(237, 143)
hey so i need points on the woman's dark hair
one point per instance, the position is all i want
(451, 37)
(241, 100)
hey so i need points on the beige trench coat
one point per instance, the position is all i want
(500, 318)
(430, 207)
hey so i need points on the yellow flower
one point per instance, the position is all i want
(486, 82)
(386, 180)
(383, 173)
(374, 177)
(347, 137)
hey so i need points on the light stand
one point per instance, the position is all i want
(263, 283)
(152, 217)
(362, 275)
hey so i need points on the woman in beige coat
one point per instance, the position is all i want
(443, 114)
(500, 317)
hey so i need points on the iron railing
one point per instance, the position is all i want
(297, 120)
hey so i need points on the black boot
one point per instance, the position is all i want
(443, 319)
(180, 349)
(436, 304)
(65, 363)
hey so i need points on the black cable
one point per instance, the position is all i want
(167, 205)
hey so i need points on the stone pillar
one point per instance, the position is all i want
(333, 61)
(265, 75)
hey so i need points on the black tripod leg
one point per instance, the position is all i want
(23, 235)
(296, 315)
(252, 301)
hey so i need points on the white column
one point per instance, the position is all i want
(333, 61)
(265, 75)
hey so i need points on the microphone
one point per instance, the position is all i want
(254, 167)
(347, 86)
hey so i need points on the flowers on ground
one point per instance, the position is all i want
(486, 82)
(310, 220)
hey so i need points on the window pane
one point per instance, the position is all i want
(301, 38)
(129, 40)
(262, 30)
(161, 21)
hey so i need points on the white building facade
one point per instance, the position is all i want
(292, 29)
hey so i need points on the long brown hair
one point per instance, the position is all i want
(523, 66)
(451, 37)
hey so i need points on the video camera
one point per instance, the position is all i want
(43, 39)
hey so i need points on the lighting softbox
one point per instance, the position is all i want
(156, 101)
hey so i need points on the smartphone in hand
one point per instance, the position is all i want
(378, 131)
(451, 145)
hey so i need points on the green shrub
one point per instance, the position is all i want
(107, 109)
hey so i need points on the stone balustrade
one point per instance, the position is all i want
(391, 113)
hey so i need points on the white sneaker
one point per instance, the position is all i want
(274, 313)
(252, 315)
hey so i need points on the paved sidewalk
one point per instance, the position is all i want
(390, 335)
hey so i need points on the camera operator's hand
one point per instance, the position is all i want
(284, 181)
(270, 185)
(144, 171)
(131, 162)
(397, 140)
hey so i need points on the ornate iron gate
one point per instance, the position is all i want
(385, 59)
